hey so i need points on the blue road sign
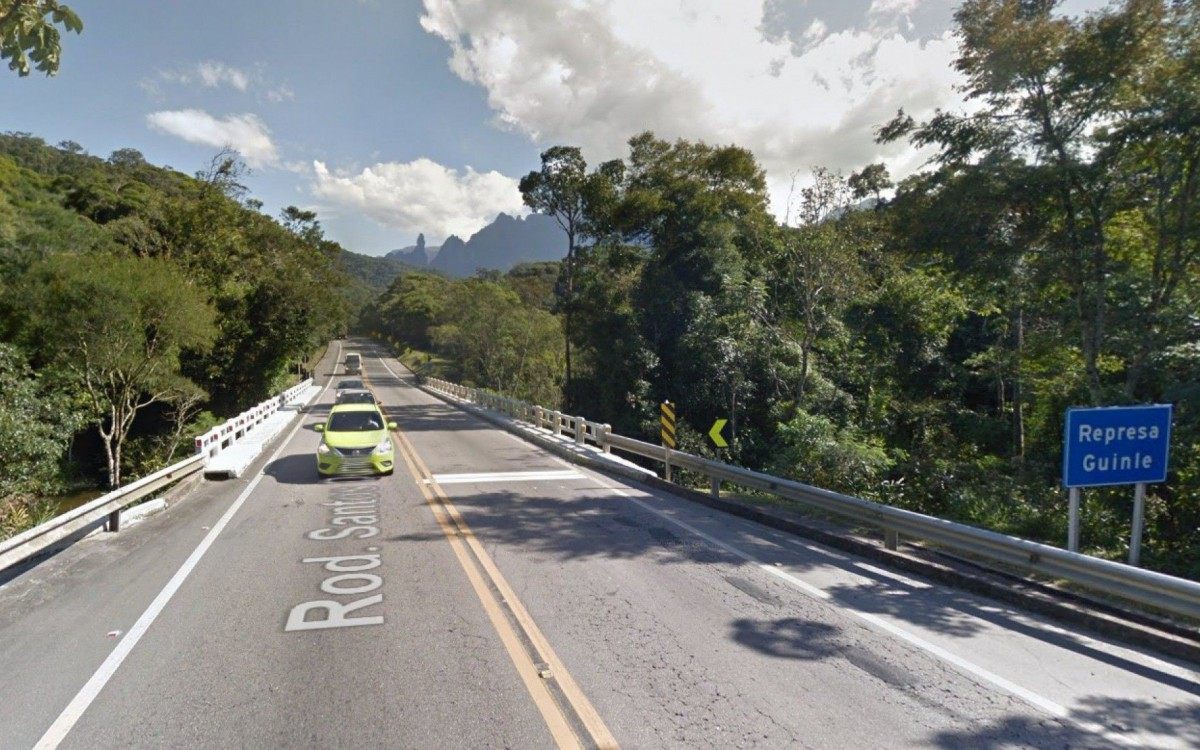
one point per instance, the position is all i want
(1116, 445)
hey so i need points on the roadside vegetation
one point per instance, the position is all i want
(139, 306)
(494, 329)
(915, 343)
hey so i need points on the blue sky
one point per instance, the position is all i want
(392, 117)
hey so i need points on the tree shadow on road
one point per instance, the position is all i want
(585, 523)
(1172, 725)
(790, 638)
(947, 610)
(433, 418)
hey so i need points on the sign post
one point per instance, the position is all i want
(1073, 520)
(1115, 445)
(1139, 515)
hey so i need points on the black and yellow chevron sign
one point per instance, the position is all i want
(668, 423)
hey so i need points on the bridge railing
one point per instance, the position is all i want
(1168, 593)
(229, 432)
(32, 541)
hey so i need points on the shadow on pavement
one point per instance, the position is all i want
(433, 418)
(16, 570)
(790, 638)
(1175, 725)
(300, 468)
(594, 523)
(947, 610)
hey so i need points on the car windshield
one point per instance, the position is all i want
(355, 421)
(355, 397)
(348, 384)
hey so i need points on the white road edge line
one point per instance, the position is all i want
(1045, 704)
(934, 650)
(66, 720)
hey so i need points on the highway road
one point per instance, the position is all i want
(489, 594)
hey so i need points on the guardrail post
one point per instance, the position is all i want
(891, 539)
(714, 487)
(579, 427)
(605, 431)
(114, 520)
(667, 464)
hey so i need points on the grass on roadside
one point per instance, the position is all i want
(426, 364)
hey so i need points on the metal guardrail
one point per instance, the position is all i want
(32, 541)
(1169, 593)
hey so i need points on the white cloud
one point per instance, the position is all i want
(214, 74)
(281, 93)
(245, 133)
(595, 72)
(210, 74)
(420, 196)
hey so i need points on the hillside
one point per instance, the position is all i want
(373, 271)
(137, 296)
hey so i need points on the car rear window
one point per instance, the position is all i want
(355, 421)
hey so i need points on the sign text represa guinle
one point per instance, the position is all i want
(1116, 445)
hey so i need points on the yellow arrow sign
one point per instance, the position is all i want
(714, 433)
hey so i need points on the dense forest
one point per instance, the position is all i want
(916, 343)
(138, 306)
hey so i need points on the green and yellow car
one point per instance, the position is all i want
(355, 442)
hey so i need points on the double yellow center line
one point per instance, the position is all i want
(572, 720)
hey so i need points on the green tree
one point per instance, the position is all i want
(565, 190)
(28, 34)
(303, 224)
(37, 422)
(703, 211)
(616, 361)
(559, 189)
(1048, 88)
(870, 182)
(816, 268)
(412, 306)
(500, 343)
(117, 327)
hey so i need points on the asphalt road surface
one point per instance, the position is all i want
(489, 594)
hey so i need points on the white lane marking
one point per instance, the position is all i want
(910, 582)
(505, 476)
(1008, 686)
(71, 714)
(1029, 696)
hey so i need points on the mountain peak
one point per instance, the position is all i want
(500, 245)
